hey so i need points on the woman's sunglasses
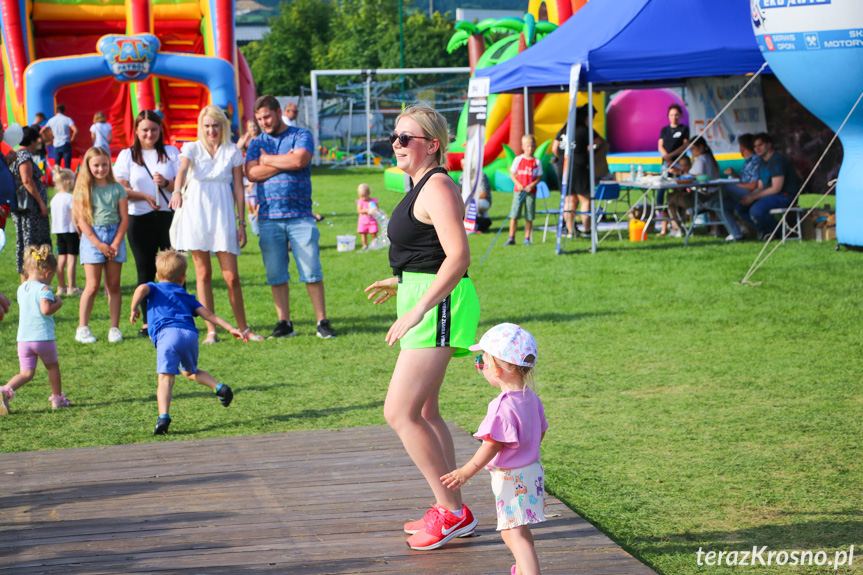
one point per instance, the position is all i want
(404, 139)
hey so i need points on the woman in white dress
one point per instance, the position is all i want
(213, 217)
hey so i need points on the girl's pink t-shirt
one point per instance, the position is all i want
(516, 419)
(366, 219)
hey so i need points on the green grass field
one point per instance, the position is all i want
(686, 411)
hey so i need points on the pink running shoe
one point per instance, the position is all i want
(6, 393)
(412, 527)
(442, 526)
(58, 401)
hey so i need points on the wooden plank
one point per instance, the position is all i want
(310, 502)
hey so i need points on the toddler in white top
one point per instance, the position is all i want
(63, 226)
(511, 432)
(36, 327)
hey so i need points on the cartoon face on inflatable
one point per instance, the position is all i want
(815, 48)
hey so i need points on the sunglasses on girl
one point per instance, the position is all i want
(404, 139)
(479, 364)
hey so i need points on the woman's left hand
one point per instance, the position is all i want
(383, 290)
(176, 201)
(43, 210)
(159, 180)
(403, 325)
(241, 236)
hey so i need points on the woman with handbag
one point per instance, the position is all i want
(31, 217)
(210, 212)
(147, 171)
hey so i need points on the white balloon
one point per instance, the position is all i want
(14, 134)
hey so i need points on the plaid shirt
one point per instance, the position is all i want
(751, 169)
(287, 194)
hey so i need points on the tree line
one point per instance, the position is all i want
(346, 34)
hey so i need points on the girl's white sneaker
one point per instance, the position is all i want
(115, 335)
(83, 335)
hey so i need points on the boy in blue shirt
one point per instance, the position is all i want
(170, 313)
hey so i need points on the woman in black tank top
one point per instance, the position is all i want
(428, 240)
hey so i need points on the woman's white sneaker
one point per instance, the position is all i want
(115, 335)
(83, 335)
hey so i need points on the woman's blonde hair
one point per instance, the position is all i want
(39, 259)
(64, 180)
(217, 114)
(98, 118)
(433, 125)
(84, 185)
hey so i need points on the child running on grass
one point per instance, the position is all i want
(511, 432)
(63, 225)
(366, 222)
(36, 327)
(101, 210)
(526, 173)
(171, 312)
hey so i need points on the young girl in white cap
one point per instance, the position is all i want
(511, 432)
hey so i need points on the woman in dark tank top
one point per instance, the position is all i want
(438, 314)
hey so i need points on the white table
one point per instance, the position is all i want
(654, 185)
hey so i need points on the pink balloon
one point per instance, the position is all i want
(635, 118)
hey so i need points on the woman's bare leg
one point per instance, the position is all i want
(415, 384)
(204, 281)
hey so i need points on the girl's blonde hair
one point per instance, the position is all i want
(98, 118)
(217, 114)
(39, 259)
(433, 125)
(526, 372)
(64, 180)
(84, 185)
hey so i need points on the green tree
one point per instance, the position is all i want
(425, 43)
(296, 44)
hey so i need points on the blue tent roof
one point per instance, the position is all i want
(627, 41)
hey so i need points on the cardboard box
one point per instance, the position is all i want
(825, 233)
(811, 221)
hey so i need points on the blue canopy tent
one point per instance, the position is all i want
(634, 43)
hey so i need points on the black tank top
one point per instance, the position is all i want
(414, 245)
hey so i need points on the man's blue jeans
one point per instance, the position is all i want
(63, 153)
(758, 214)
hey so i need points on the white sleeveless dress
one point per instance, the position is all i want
(208, 221)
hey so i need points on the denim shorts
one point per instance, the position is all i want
(529, 204)
(90, 254)
(176, 347)
(303, 235)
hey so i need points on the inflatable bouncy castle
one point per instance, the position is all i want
(119, 57)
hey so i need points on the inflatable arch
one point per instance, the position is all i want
(119, 57)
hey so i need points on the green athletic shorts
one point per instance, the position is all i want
(452, 323)
(529, 204)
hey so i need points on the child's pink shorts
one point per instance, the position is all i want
(29, 353)
(367, 227)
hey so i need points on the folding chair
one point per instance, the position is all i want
(605, 194)
(543, 193)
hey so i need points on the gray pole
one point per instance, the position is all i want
(315, 132)
(526, 115)
(350, 123)
(368, 119)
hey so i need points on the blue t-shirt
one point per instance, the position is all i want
(778, 165)
(33, 325)
(169, 305)
(287, 194)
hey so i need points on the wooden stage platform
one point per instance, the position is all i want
(311, 502)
